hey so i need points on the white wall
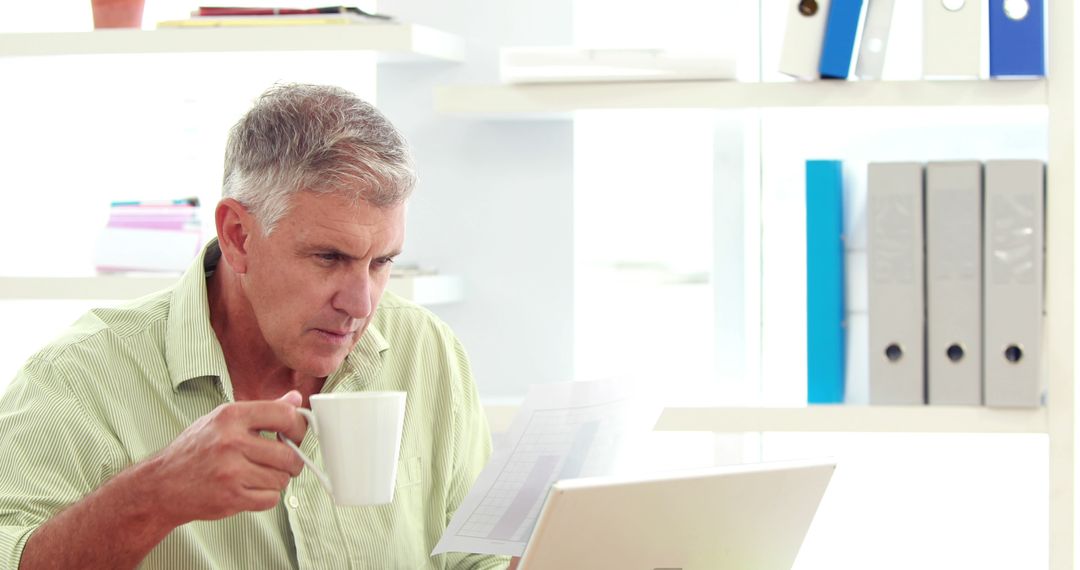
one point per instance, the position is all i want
(494, 203)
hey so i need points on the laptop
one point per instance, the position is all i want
(742, 517)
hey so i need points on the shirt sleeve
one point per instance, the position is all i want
(54, 453)
(472, 448)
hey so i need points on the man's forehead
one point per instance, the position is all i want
(329, 220)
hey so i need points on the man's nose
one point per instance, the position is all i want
(354, 296)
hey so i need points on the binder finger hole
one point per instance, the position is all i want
(953, 5)
(1013, 353)
(1017, 9)
(808, 7)
(955, 353)
(893, 352)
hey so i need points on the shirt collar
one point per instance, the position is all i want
(191, 346)
(362, 365)
(192, 349)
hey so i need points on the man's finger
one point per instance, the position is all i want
(261, 500)
(260, 478)
(273, 415)
(274, 455)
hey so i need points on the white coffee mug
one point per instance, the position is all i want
(360, 438)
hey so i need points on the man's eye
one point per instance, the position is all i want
(328, 257)
(384, 261)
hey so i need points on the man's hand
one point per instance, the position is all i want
(221, 465)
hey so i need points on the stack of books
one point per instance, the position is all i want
(151, 236)
(213, 17)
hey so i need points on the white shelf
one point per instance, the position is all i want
(99, 287)
(394, 42)
(423, 290)
(428, 289)
(850, 419)
(547, 99)
(860, 419)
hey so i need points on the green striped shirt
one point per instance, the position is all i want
(122, 383)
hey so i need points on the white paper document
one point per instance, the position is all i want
(562, 431)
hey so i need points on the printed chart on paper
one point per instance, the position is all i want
(562, 431)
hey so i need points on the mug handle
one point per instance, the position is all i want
(311, 464)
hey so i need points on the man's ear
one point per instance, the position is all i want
(235, 226)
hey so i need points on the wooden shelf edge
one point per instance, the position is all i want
(428, 289)
(422, 289)
(858, 419)
(558, 99)
(397, 41)
(95, 287)
(841, 419)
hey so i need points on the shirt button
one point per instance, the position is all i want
(294, 502)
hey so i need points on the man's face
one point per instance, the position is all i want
(315, 281)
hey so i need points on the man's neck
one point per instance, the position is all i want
(254, 369)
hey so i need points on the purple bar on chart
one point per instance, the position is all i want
(534, 488)
(579, 450)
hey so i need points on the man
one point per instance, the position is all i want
(144, 435)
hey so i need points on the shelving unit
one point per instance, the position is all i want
(420, 289)
(405, 42)
(1056, 95)
(394, 42)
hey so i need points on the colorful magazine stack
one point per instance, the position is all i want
(153, 236)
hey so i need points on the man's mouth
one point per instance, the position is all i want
(336, 336)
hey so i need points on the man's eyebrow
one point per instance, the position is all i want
(321, 247)
(317, 247)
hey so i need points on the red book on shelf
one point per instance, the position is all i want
(233, 11)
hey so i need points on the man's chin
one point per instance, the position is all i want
(317, 359)
(323, 367)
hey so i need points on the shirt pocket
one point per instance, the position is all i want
(410, 472)
(402, 525)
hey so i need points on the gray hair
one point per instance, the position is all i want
(314, 138)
